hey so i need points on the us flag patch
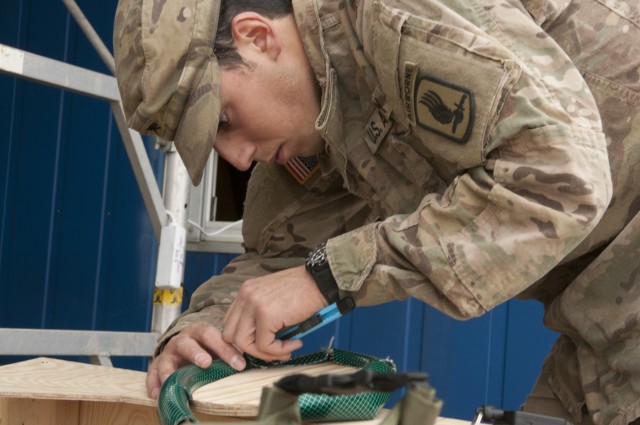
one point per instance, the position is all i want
(303, 167)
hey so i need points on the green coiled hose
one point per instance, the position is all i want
(176, 392)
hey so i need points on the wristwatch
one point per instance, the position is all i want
(318, 267)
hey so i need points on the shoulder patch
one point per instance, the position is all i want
(440, 106)
(303, 167)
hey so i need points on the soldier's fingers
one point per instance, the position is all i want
(267, 343)
(243, 335)
(166, 366)
(189, 350)
(160, 369)
(231, 320)
(153, 381)
(211, 339)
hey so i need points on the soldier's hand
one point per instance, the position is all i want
(266, 305)
(199, 344)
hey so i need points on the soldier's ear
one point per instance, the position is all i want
(253, 31)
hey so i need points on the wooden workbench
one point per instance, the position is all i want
(46, 391)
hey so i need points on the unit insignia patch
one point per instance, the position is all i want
(439, 106)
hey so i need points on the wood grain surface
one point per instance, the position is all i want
(239, 395)
(46, 391)
(46, 378)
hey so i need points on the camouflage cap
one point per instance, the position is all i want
(168, 74)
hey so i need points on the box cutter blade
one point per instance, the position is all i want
(322, 317)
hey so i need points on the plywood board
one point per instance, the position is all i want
(45, 378)
(40, 412)
(239, 395)
(109, 413)
(48, 391)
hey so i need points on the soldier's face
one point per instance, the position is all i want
(268, 114)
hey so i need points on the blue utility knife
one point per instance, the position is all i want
(325, 316)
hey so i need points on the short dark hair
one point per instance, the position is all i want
(225, 49)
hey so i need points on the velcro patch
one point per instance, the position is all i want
(303, 167)
(442, 107)
(377, 127)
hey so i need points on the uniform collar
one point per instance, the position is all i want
(310, 25)
(308, 22)
(545, 11)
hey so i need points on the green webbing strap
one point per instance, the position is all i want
(173, 402)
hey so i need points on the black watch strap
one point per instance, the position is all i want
(318, 267)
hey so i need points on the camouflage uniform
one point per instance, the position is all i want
(465, 163)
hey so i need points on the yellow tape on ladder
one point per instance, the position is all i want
(167, 296)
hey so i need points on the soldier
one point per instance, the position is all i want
(462, 152)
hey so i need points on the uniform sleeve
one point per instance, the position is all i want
(490, 236)
(543, 183)
(283, 221)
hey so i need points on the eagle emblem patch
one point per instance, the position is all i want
(439, 106)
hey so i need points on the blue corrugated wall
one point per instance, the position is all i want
(77, 250)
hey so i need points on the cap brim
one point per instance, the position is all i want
(197, 131)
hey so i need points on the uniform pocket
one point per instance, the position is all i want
(449, 82)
